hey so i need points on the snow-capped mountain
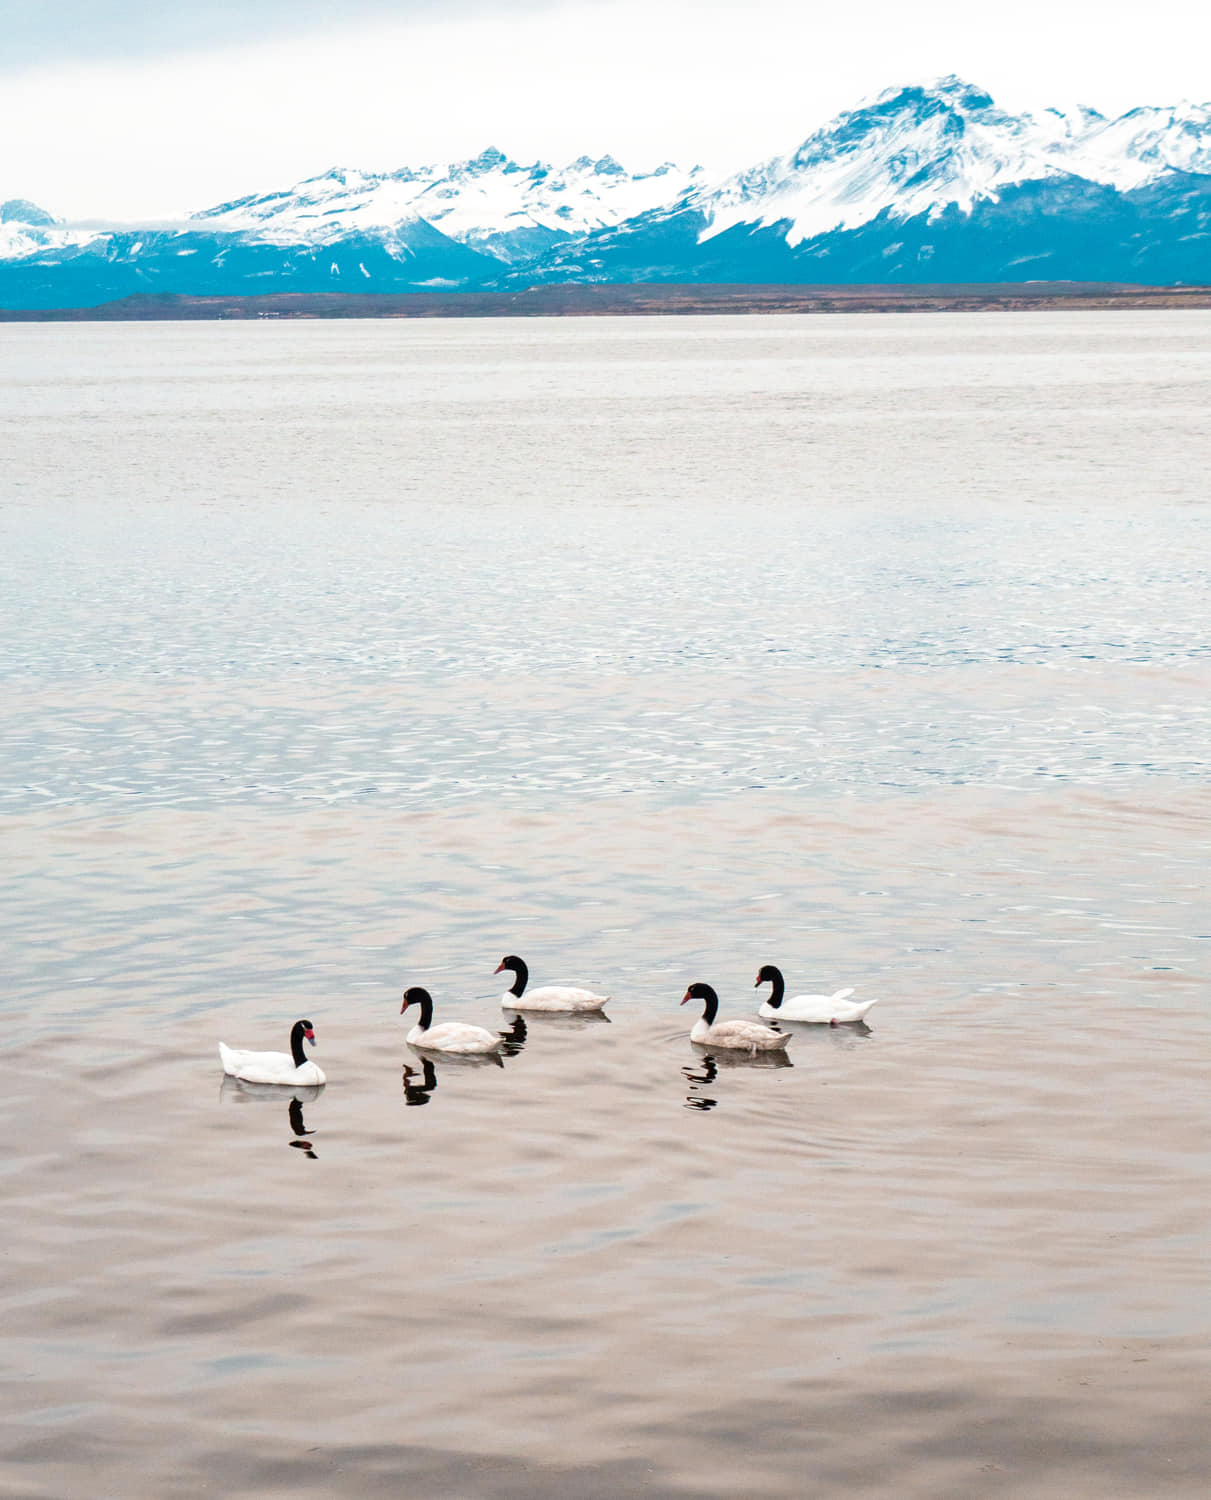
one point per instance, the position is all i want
(926, 183)
(934, 184)
(919, 150)
(26, 229)
(490, 203)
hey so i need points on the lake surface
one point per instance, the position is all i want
(341, 657)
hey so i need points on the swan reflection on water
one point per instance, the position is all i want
(301, 1132)
(419, 1087)
(239, 1091)
(707, 1070)
(513, 1040)
(566, 1020)
(844, 1034)
(418, 1093)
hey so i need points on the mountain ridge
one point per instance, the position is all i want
(922, 183)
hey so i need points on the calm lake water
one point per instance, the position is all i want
(341, 657)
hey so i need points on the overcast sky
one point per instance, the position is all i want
(129, 108)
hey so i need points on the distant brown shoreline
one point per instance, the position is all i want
(649, 299)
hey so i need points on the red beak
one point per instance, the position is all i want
(310, 1035)
(685, 997)
(498, 968)
(404, 1006)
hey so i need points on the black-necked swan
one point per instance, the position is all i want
(742, 1035)
(553, 997)
(450, 1036)
(824, 1010)
(291, 1067)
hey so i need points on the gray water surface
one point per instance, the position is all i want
(341, 657)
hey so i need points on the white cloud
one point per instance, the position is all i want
(709, 81)
(48, 31)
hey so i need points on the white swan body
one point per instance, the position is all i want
(453, 1036)
(824, 1010)
(821, 1010)
(742, 1035)
(290, 1068)
(563, 998)
(746, 1036)
(450, 1036)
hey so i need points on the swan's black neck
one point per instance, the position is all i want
(521, 974)
(425, 1000)
(710, 1001)
(297, 1032)
(771, 975)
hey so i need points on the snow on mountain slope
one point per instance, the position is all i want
(920, 149)
(922, 182)
(26, 229)
(484, 203)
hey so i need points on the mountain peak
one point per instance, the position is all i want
(22, 211)
(958, 93)
(487, 161)
(344, 176)
(949, 95)
(926, 147)
(942, 107)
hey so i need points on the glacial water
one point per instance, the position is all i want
(339, 657)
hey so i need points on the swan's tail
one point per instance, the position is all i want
(227, 1058)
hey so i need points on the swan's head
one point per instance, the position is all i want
(766, 974)
(415, 996)
(700, 992)
(521, 975)
(299, 1031)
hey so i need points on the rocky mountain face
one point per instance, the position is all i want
(923, 184)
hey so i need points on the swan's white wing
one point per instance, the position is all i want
(854, 1012)
(808, 1008)
(563, 997)
(745, 1034)
(245, 1059)
(454, 1036)
(822, 1009)
(258, 1067)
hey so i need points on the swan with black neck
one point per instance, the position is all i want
(291, 1068)
(449, 1036)
(562, 998)
(821, 1010)
(741, 1035)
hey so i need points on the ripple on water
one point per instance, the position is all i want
(877, 650)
